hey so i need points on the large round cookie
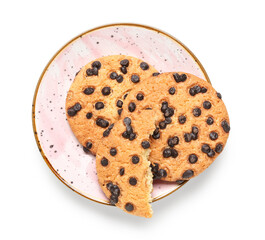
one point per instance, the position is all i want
(192, 123)
(123, 168)
(95, 98)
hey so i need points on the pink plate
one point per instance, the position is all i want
(57, 144)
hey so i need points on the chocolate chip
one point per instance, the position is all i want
(225, 125)
(196, 112)
(139, 96)
(71, 112)
(122, 171)
(102, 123)
(192, 91)
(89, 115)
(173, 141)
(135, 78)
(113, 75)
(172, 91)
(123, 70)
(209, 121)
(144, 66)
(119, 79)
(195, 130)
(107, 132)
(205, 148)
(197, 89)
(182, 119)
(168, 120)
(156, 134)
(95, 71)
(167, 153)
(113, 151)
(207, 105)
(89, 72)
(213, 135)
(162, 173)
(119, 103)
(164, 107)
(89, 145)
(219, 95)
(96, 64)
(125, 135)
(211, 153)
(169, 112)
(180, 181)
(204, 90)
(162, 125)
(193, 158)
(180, 78)
(104, 162)
(174, 153)
(125, 96)
(193, 136)
(187, 137)
(85, 150)
(109, 186)
(124, 62)
(105, 91)
(135, 159)
(129, 207)
(99, 105)
(219, 148)
(188, 174)
(77, 107)
(183, 77)
(115, 190)
(155, 74)
(127, 121)
(145, 144)
(89, 91)
(113, 199)
(129, 129)
(176, 77)
(132, 136)
(132, 107)
(133, 181)
(154, 168)
(119, 111)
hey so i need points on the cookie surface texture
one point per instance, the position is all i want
(123, 168)
(192, 123)
(95, 98)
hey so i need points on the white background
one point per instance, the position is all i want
(225, 202)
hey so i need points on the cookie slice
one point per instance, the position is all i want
(95, 98)
(192, 124)
(123, 168)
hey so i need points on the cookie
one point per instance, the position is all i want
(192, 123)
(123, 168)
(95, 98)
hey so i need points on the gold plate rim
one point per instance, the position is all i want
(57, 53)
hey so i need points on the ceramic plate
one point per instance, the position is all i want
(57, 144)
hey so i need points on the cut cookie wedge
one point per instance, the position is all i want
(192, 123)
(123, 168)
(95, 98)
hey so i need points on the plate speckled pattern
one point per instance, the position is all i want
(58, 146)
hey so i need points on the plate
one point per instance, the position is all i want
(57, 144)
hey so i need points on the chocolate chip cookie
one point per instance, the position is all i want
(123, 168)
(192, 123)
(95, 98)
